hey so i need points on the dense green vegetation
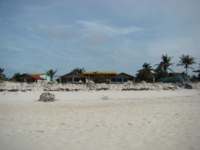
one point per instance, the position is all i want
(163, 68)
(78, 70)
(99, 78)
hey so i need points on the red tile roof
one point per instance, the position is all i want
(35, 76)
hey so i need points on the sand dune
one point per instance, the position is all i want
(81, 120)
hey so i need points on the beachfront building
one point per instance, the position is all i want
(122, 78)
(107, 74)
(30, 78)
(72, 77)
(110, 76)
(42, 75)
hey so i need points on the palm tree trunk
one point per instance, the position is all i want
(186, 70)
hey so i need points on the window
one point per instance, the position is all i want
(125, 79)
(119, 79)
(76, 79)
(69, 79)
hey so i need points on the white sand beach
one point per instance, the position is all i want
(84, 120)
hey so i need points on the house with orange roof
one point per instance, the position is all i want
(30, 78)
(42, 75)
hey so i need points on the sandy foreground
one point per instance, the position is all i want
(127, 120)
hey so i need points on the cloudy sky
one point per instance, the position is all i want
(98, 35)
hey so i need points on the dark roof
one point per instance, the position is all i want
(124, 74)
(175, 73)
(73, 73)
(196, 71)
(100, 72)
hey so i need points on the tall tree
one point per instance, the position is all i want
(16, 74)
(160, 73)
(162, 68)
(145, 72)
(51, 73)
(1, 72)
(78, 70)
(186, 61)
(165, 63)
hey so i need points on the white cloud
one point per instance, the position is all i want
(55, 31)
(99, 27)
(98, 38)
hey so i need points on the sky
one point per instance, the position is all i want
(98, 35)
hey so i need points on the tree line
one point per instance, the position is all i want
(161, 70)
(145, 74)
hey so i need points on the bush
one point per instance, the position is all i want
(99, 78)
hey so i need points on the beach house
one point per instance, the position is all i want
(110, 76)
(106, 74)
(72, 77)
(30, 78)
(122, 78)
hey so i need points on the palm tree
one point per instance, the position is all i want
(51, 73)
(78, 70)
(165, 63)
(145, 72)
(1, 72)
(186, 61)
(163, 67)
(160, 73)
